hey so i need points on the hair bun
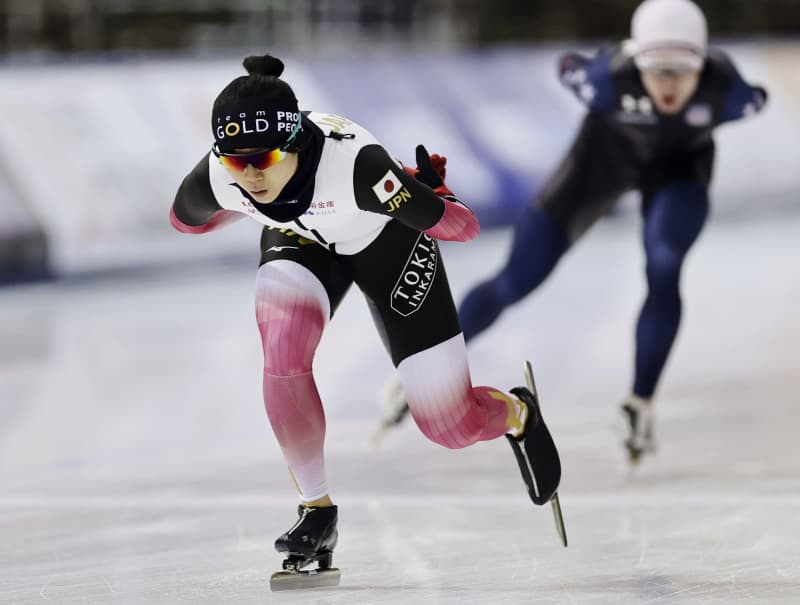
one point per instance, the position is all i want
(266, 65)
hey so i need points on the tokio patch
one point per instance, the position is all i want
(415, 280)
(387, 187)
(698, 115)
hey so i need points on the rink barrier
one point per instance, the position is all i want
(120, 137)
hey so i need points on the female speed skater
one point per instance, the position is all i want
(337, 209)
(653, 103)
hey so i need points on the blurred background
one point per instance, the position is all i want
(106, 106)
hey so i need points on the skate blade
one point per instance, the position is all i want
(530, 383)
(304, 580)
(636, 454)
(559, 519)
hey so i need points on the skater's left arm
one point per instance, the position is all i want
(742, 99)
(417, 198)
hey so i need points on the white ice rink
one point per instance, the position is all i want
(137, 465)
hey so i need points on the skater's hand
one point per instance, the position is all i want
(431, 170)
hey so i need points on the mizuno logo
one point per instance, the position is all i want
(279, 248)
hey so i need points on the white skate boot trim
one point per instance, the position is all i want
(394, 408)
(522, 415)
(638, 416)
(393, 399)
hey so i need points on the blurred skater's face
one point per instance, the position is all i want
(670, 90)
(264, 185)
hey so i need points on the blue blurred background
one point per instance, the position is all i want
(105, 107)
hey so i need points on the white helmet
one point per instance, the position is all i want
(668, 34)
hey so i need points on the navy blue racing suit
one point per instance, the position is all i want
(624, 144)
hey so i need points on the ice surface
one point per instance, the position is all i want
(137, 465)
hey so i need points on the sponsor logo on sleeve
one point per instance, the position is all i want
(415, 280)
(587, 92)
(636, 110)
(578, 80)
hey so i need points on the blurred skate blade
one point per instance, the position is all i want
(302, 580)
(377, 436)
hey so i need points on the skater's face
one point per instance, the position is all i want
(669, 89)
(263, 179)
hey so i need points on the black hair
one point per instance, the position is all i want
(262, 81)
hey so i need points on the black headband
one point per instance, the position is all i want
(255, 123)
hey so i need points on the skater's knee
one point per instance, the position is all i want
(664, 266)
(291, 311)
(443, 430)
(448, 437)
(289, 343)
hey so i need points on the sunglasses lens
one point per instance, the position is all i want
(268, 158)
(260, 161)
(232, 162)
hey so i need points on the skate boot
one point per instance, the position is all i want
(638, 421)
(395, 408)
(536, 452)
(537, 455)
(312, 539)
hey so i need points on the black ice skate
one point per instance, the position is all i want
(537, 455)
(638, 417)
(311, 540)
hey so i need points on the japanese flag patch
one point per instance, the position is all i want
(387, 187)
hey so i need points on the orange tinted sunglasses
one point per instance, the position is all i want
(261, 160)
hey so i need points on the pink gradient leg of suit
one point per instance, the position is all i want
(443, 402)
(292, 309)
